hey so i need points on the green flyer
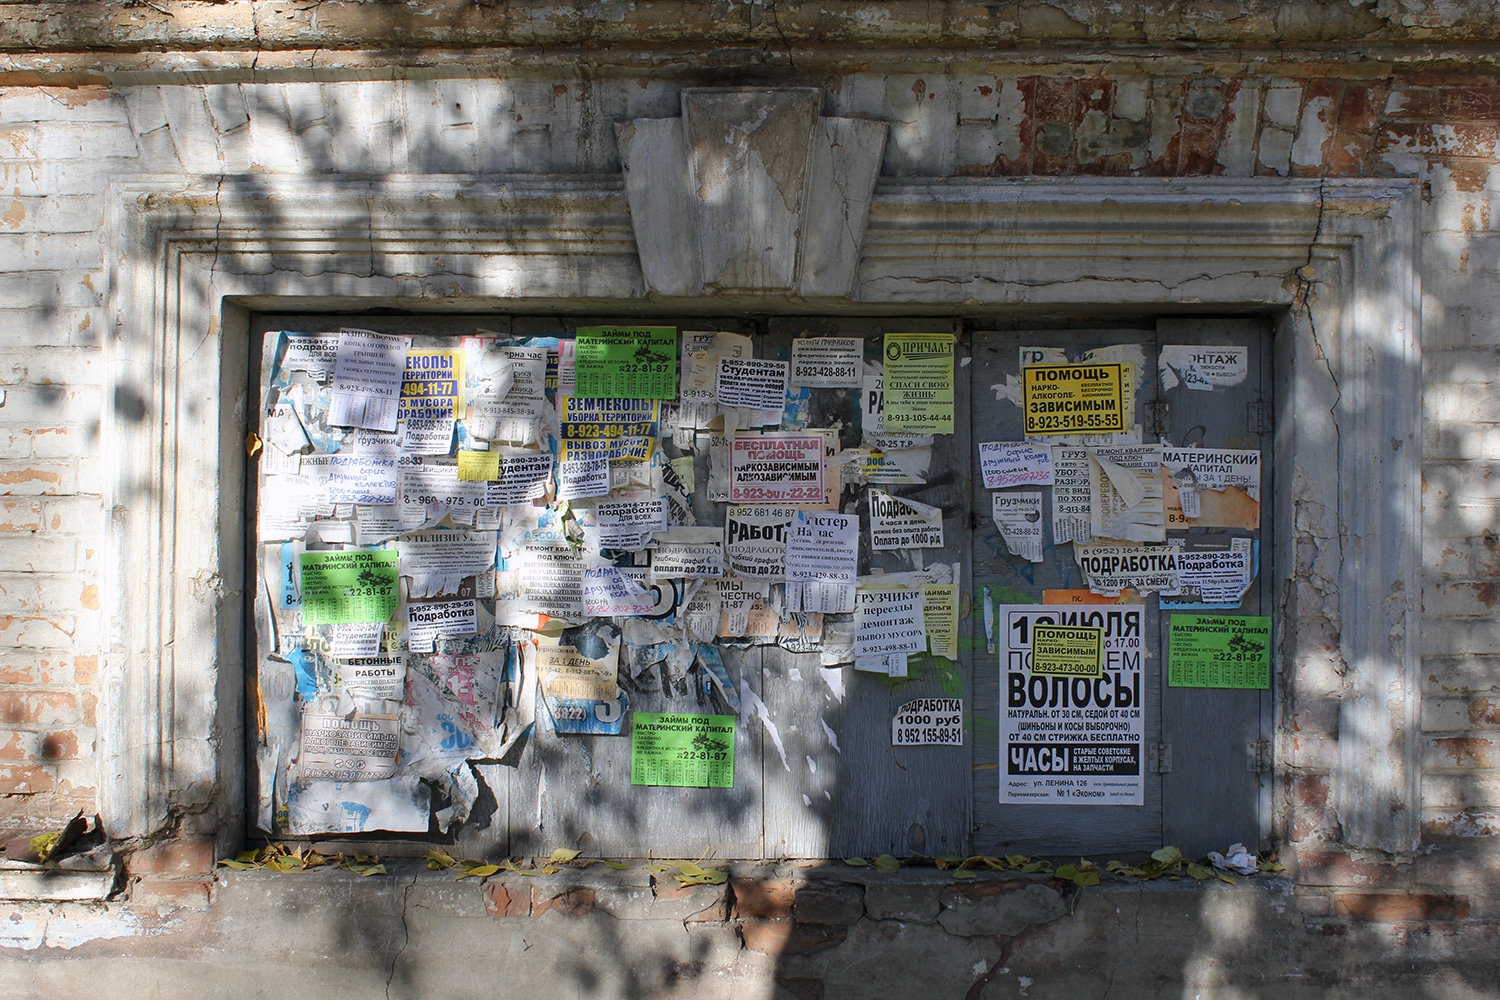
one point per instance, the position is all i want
(687, 751)
(1219, 651)
(626, 362)
(354, 585)
(919, 383)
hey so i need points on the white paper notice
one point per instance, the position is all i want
(427, 620)
(688, 553)
(431, 485)
(827, 362)
(436, 562)
(314, 353)
(755, 541)
(362, 748)
(356, 638)
(779, 467)
(1019, 518)
(822, 562)
(752, 383)
(627, 524)
(1125, 494)
(1110, 569)
(1202, 367)
(521, 479)
(899, 523)
(929, 722)
(367, 380)
(887, 624)
(1213, 469)
(608, 592)
(582, 478)
(378, 676)
(1071, 505)
(550, 580)
(358, 479)
(1089, 749)
(701, 352)
(1215, 574)
(1004, 463)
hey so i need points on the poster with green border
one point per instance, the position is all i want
(349, 586)
(1219, 651)
(918, 383)
(625, 362)
(683, 751)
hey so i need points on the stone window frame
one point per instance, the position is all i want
(1334, 262)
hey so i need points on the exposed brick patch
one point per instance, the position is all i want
(168, 893)
(574, 902)
(763, 898)
(1379, 907)
(1335, 869)
(191, 856)
(500, 900)
(783, 937)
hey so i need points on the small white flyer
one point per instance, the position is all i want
(627, 524)
(752, 383)
(827, 362)
(900, 523)
(367, 380)
(427, 620)
(822, 562)
(1203, 367)
(1018, 516)
(1006, 463)
(360, 479)
(925, 722)
(581, 478)
(888, 623)
(688, 553)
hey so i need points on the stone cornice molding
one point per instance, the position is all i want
(1336, 260)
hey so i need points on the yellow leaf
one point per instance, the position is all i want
(563, 854)
(478, 871)
(618, 866)
(550, 869)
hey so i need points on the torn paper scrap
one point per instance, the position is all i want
(1125, 494)
(436, 562)
(1211, 488)
(1110, 569)
(1203, 367)
(1005, 463)
(1072, 504)
(367, 380)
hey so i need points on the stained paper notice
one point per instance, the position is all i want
(1018, 516)
(357, 479)
(1219, 651)
(827, 362)
(919, 383)
(362, 748)
(929, 722)
(427, 621)
(822, 562)
(688, 751)
(1067, 650)
(582, 478)
(367, 380)
(1087, 748)
(1202, 367)
(779, 467)
(608, 592)
(701, 353)
(1005, 463)
(436, 483)
(627, 524)
(478, 466)
(376, 676)
(1072, 508)
(752, 383)
(1074, 398)
(436, 562)
(899, 523)
(689, 553)
(431, 398)
(565, 673)
(612, 362)
(617, 429)
(1110, 569)
(755, 541)
(354, 585)
(1211, 488)
(1125, 494)
(887, 624)
(940, 619)
(314, 353)
(1215, 570)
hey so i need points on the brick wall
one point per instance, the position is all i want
(59, 146)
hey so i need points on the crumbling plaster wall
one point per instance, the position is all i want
(93, 93)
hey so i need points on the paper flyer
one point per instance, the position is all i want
(627, 524)
(617, 362)
(776, 468)
(919, 383)
(1110, 569)
(752, 383)
(1202, 367)
(367, 380)
(1125, 494)
(898, 523)
(1074, 399)
(428, 621)
(822, 562)
(1211, 488)
(827, 362)
(688, 553)
(1018, 516)
(929, 722)
(1219, 651)
(353, 585)
(888, 627)
(940, 619)
(1008, 463)
(1072, 503)
(686, 751)
(314, 353)
(432, 399)
(1072, 740)
(872, 421)
(755, 540)
(619, 429)
(358, 479)
(335, 748)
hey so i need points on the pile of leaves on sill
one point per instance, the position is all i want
(1166, 862)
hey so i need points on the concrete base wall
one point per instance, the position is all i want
(804, 933)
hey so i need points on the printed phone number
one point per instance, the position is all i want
(1070, 422)
(930, 734)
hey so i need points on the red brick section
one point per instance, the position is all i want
(1390, 908)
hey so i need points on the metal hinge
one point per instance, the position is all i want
(1159, 413)
(1258, 756)
(1258, 418)
(1161, 758)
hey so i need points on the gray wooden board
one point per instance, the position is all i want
(1010, 828)
(867, 797)
(1210, 799)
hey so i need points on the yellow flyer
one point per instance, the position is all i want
(1086, 398)
(919, 383)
